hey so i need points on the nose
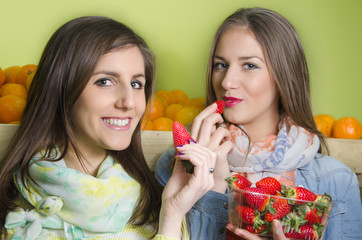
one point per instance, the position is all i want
(231, 78)
(125, 99)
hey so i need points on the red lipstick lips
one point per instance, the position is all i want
(231, 101)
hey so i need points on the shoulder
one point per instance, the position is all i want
(164, 166)
(327, 174)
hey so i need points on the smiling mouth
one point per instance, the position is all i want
(116, 122)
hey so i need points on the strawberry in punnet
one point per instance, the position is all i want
(300, 193)
(257, 198)
(238, 181)
(181, 137)
(220, 106)
(309, 214)
(281, 207)
(264, 229)
(270, 184)
(322, 203)
(249, 216)
(310, 232)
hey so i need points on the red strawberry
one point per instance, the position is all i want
(181, 137)
(311, 215)
(220, 106)
(322, 203)
(281, 207)
(249, 216)
(270, 184)
(300, 193)
(264, 229)
(310, 232)
(257, 198)
(238, 181)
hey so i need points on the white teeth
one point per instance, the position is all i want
(116, 122)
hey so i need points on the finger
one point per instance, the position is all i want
(219, 135)
(199, 119)
(226, 148)
(208, 127)
(278, 231)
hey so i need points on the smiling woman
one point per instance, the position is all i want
(75, 168)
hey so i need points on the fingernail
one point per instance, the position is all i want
(192, 141)
(179, 153)
(179, 146)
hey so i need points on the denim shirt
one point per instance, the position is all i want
(208, 217)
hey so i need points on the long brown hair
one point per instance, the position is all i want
(285, 59)
(64, 69)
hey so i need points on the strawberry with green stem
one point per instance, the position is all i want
(299, 193)
(259, 199)
(181, 137)
(281, 206)
(249, 216)
(270, 184)
(308, 231)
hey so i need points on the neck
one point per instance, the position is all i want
(89, 161)
(260, 129)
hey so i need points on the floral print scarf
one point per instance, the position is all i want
(274, 155)
(80, 204)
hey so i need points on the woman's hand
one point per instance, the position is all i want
(183, 190)
(244, 234)
(206, 133)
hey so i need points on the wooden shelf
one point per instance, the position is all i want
(156, 142)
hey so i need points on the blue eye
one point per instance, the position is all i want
(220, 65)
(136, 84)
(103, 82)
(250, 66)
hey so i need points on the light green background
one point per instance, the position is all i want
(180, 34)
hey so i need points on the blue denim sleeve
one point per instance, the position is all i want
(208, 217)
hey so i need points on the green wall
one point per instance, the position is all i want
(180, 34)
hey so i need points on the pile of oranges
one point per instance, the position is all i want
(345, 127)
(14, 86)
(169, 106)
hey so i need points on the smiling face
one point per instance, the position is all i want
(241, 77)
(112, 103)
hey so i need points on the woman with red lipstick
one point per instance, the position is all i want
(75, 169)
(257, 66)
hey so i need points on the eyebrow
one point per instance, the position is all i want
(241, 58)
(117, 75)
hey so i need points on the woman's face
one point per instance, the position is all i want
(112, 103)
(241, 77)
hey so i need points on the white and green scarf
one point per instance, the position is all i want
(82, 205)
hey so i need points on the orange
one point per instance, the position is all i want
(13, 89)
(29, 80)
(179, 95)
(187, 115)
(162, 124)
(196, 102)
(10, 74)
(2, 77)
(11, 108)
(146, 124)
(167, 95)
(324, 123)
(171, 110)
(347, 127)
(164, 101)
(23, 73)
(157, 109)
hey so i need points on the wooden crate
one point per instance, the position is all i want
(156, 142)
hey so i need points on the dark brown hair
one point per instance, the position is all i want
(285, 59)
(66, 65)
